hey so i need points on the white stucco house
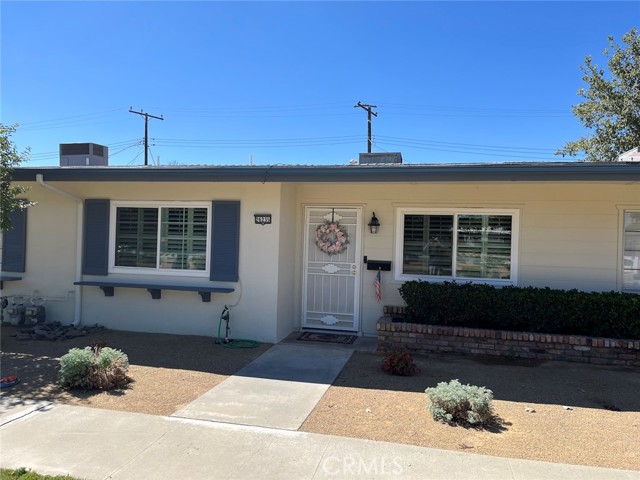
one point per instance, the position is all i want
(632, 155)
(163, 249)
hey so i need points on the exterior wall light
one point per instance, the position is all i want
(374, 224)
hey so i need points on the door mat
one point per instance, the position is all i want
(327, 337)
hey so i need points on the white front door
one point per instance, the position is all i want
(331, 290)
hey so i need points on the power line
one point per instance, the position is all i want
(464, 145)
(72, 117)
(134, 158)
(471, 152)
(347, 139)
(472, 111)
(71, 121)
(258, 143)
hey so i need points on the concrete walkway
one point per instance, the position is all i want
(103, 444)
(279, 389)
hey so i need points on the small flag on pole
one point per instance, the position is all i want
(376, 285)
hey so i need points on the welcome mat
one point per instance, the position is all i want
(327, 337)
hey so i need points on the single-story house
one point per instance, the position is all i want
(165, 248)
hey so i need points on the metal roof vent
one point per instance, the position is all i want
(378, 158)
(83, 155)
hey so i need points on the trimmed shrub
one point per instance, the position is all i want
(98, 367)
(74, 367)
(526, 309)
(399, 361)
(23, 473)
(455, 403)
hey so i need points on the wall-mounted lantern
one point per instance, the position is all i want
(374, 224)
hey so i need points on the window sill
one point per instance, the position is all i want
(8, 278)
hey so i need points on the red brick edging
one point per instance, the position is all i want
(421, 338)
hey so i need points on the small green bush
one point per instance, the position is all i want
(525, 309)
(455, 403)
(97, 367)
(26, 474)
(399, 361)
(74, 367)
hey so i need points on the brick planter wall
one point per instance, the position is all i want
(425, 339)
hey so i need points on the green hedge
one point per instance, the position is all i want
(526, 309)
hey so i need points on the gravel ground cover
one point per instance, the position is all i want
(600, 427)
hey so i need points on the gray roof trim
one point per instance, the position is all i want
(496, 172)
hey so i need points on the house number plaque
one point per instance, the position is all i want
(262, 218)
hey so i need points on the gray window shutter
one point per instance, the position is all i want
(225, 240)
(14, 243)
(95, 240)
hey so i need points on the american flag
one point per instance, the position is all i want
(376, 285)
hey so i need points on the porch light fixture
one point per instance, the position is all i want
(374, 224)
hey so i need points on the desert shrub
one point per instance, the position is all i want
(527, 309)
(453, 403)
(399, 361)
(97, 367)
(26, 474)
(74, 367)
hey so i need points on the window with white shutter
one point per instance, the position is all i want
(162, 238)
(631, 252)
(463, 245)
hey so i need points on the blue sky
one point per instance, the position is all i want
(276, 82)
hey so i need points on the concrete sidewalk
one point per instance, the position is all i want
(279, 389)
(102, 444)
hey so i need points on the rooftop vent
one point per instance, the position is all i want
(83, 155)
(380, 158)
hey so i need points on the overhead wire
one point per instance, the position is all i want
(464, 145)
(70, 121)
(136, 157)
(151, 155)
(333, 108)
(433, 110)
(49, 156)
(258, 143)
(344, 109)
(471, 152)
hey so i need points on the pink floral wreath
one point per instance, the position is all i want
(331, 238)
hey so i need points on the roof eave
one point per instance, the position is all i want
(549, 172)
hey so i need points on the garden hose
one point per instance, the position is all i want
(232, 343)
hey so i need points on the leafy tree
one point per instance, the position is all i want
(612, 107)
(9, 159)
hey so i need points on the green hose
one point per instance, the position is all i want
(232, 343)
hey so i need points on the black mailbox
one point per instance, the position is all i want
(384, 265)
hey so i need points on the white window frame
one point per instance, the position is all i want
(156, 271)
(455, 212)
(623, 211)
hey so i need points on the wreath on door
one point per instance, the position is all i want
(332, 238)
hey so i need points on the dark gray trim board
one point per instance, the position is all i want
(491, 172)
(95, 240)
(14, 251)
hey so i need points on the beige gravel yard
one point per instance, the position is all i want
(602, 427)
(367, 403)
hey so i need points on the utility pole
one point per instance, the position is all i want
(369, 113)
(146, 131)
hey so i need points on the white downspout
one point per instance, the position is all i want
(77, 312)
